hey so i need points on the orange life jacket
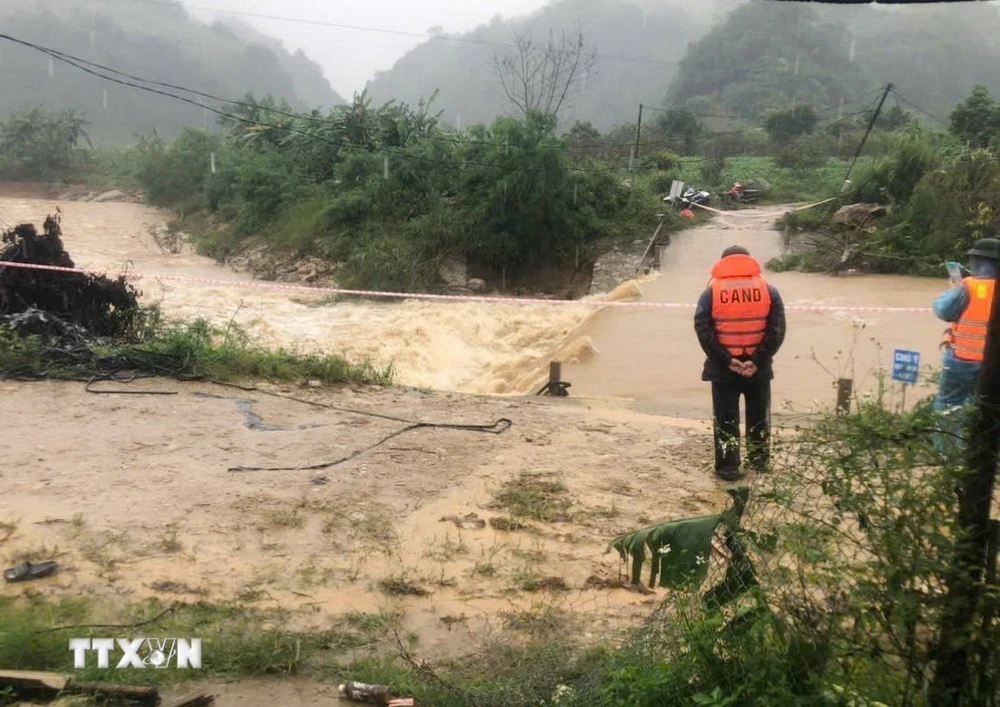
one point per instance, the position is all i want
(968, 334)
(741, 302)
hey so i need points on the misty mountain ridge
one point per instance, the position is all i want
(639, 43)
(743, 58)
(155, 41)
(740, 57)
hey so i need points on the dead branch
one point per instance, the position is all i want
(542, 78)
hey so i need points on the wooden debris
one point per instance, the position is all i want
(197, 701)
(54, 683)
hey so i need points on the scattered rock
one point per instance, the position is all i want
(262, 262)
(113, 195)
(618, 264)
(476, 285)
(454, 272)
(858, 215)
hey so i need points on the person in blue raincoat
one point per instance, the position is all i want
(960, 359)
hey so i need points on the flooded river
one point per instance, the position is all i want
(652, 356)
(649, 358)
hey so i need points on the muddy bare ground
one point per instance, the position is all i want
(134, 496)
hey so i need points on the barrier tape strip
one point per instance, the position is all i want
(759, 214)
(318, 289)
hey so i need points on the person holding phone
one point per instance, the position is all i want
(740, 323)
(966, 307)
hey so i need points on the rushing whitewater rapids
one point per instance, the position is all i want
(649, 357)
(463, 347)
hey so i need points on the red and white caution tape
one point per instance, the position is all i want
(430, 297)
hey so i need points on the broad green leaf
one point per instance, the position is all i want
(679, 551)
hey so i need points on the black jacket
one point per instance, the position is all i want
(719, 358)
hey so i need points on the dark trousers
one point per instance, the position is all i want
(726, 412)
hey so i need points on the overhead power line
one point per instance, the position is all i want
(67, 59)
(232, 116)
(384, 30)
(917, 108)
(96, 69)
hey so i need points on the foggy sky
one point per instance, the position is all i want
(350, 57)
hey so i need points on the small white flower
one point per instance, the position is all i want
(700, 560)
(664, 550)
(560, 692)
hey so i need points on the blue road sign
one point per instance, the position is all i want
(905, 366)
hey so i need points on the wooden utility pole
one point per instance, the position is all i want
(958, 641)
(871, 124)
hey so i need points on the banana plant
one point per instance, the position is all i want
(678, 552)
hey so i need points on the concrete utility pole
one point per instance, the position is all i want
(638, 133)
(957, 643)
(871, 124)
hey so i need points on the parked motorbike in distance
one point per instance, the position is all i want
(741, 194)
(688, 198)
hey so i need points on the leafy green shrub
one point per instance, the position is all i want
(711, 172)
(112, 167)
(41, 144)
(366, 187)
(177, 175)
(786, 125)
(664, 161)
(893, 178)
(949, 209)
(262, 183)
(186, 350)
(803, 152)
(390, 263)
(660, 182)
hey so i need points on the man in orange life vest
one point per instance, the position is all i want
(967, 307)
(740, 322)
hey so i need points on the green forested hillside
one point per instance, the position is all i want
(158, 42)
(469, 92)
(933, 54)
(769, 56)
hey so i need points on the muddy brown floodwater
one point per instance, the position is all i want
(651, 357)
(133, 494)
(648, 358)
(466, 347)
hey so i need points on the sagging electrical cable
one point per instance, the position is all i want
(497, 428)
